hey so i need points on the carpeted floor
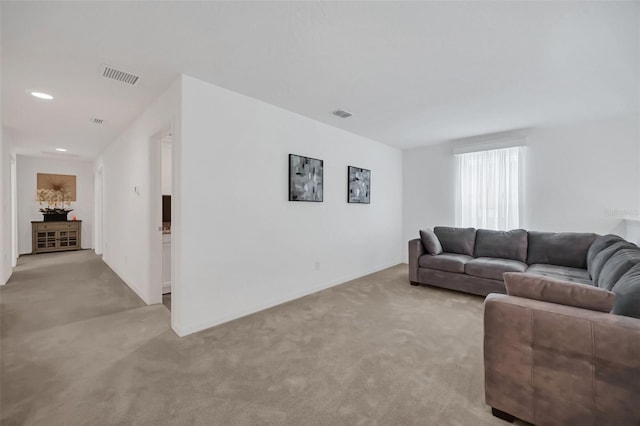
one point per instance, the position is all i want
(79, 348)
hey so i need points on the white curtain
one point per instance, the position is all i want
(488, 189)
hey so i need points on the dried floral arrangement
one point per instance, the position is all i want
(57, 200)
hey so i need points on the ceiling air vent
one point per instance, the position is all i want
(119, 75)
(342, 114)
(97, 120)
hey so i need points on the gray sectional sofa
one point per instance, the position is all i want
(562, 347)
(474, 261)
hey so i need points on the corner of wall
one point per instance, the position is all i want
(6, 251)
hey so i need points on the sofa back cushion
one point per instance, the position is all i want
(430, 242)
(618, 265)
(595, 267)
(501, 244)
(456, 240)
(627, 291)
(559, 248)
(599, 244)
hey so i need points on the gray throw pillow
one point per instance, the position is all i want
(552, 290)
(627, 291)
(456, 240)
(430, 242)
(501, 244)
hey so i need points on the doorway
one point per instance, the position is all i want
(166, 142)
(161, 220)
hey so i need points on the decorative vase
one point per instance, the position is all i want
(55, 217)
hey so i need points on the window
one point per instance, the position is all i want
(488, 188)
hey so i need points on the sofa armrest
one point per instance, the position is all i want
(416, 249)
(547, 363)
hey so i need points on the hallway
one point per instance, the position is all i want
(72, 335)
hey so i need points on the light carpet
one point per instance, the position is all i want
(78, 347)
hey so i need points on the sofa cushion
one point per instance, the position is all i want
(456, 240)
(493, 268)
(559, 248)
(430, 242)
(601, 258)
(559, 271)
(563, 273)
(618, 265)
(627, 291)
(450, 262)
(599, 244)
(584, 281)
(501, 244)
(557, 291)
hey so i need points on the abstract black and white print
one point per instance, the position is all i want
(359, 185)
(305, 178)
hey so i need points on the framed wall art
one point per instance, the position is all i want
(305, 178)
(64, 184)
(359, 185)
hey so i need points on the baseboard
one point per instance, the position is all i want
(126, 280)
(166, 288)
(184, 331)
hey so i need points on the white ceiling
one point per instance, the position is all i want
(411, 73)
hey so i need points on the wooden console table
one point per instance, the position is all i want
(55, 236)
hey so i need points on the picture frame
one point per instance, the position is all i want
(358, 185)
(306, 179)
(62, 183)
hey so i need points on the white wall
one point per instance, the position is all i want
(127, 219)
(582, 177)
(5, 209)
(632, 230)
(244, 247)
(28, 208)
(429, 190)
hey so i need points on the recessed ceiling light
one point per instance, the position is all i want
(42, 95)
(61, 149)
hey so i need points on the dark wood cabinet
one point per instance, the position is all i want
(55, 236)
